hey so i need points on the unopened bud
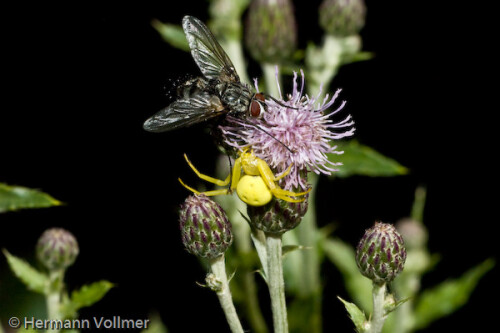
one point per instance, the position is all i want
(57, 249)
(381, 253)
(205, 229)
(342, 18)
(278, 216)
(414, 233)
(271, 32)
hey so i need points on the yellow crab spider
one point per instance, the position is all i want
(253, 180)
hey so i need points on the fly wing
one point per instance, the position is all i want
(213, 62)
(185, 112)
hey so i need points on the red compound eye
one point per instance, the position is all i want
(255, 109)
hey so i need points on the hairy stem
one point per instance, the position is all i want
(378, 317)
(53, 297)
(218, 268)
(276, 283)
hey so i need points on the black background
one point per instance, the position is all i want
(79, 80)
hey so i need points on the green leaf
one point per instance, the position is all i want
(357, 316)
(448, 296)
(360, 56)
(155, 325)
(172, 34)
(33, 279)
(86, 296)
(388, 308)
(362, 160)
(18, 197)
(290, 248)
(343, 256)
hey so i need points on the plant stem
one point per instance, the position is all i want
(276, 283)
(269, 71)
(378, 317)
(246, 273)
(244, 249)
(234, 49)
(53, 297)
(224, 294)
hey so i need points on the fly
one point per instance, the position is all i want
(218, 92)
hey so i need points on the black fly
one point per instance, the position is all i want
(218, 92)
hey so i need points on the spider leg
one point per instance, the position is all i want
(288, 199)
(287, 171)
(288, 195)
(208, 178)
(207, 193)
(278, 192)
(235, 175)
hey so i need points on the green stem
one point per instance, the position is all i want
(244, 249)
(307, 234)
(53, 297)
(276, 283)
(269, 71)
(322, 64)
(378, 317)
(218, 268)
(243, 243)
(234, 49)
(417, 211)
(255, 318)
(403, 318)
(303, 270)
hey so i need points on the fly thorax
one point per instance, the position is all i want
(237, 97)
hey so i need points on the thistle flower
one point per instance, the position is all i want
(206, 231)
(57, 249)
(297, 131)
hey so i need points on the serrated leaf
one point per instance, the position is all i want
(343, 256)
(18, 197)
(448, 296)
(361, 160)
(357, 316)
(33, 279)
(172, 34)
(86, 296)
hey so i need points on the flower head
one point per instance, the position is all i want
(205, 228)
(297, 131)
(57, 249)
(381, 253)
(342, 17)
(271, 31)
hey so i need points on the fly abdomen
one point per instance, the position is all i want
(192, 87)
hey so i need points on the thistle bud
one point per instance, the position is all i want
(57, 249)
(342, 18)
(205, 229)
(271, 31)
(381, 253)
(414, 233)
(278, 216)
